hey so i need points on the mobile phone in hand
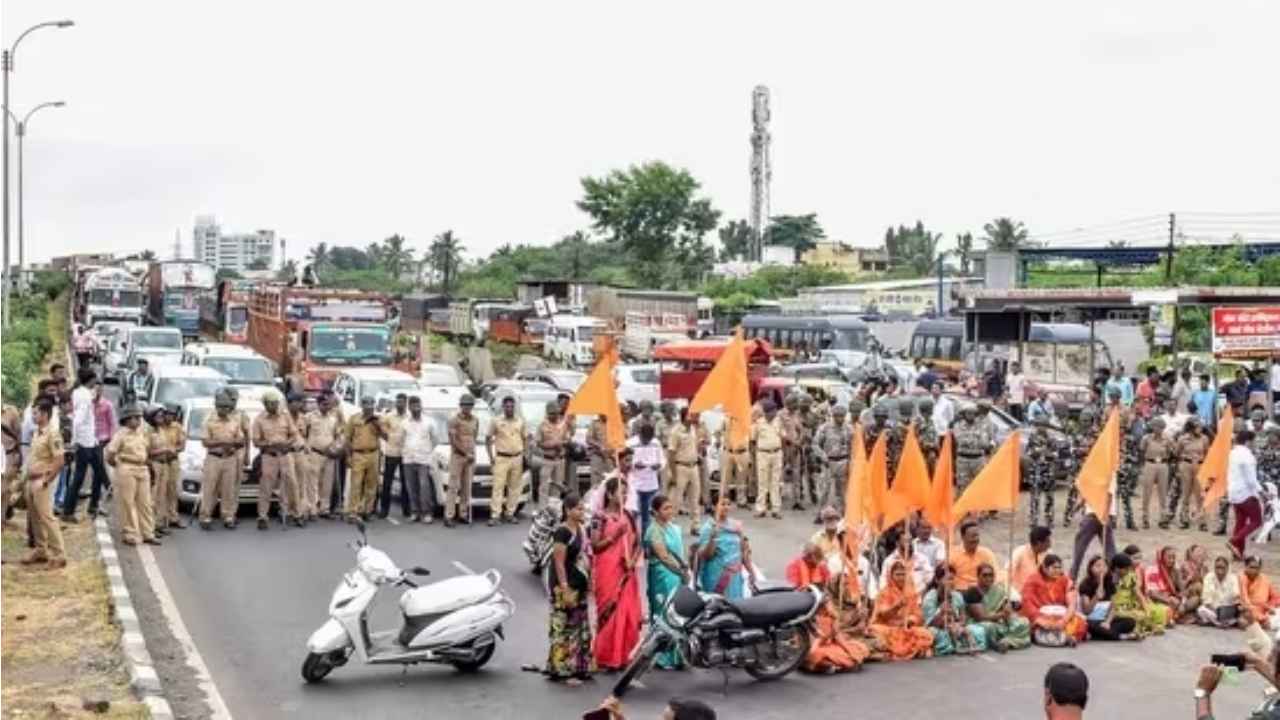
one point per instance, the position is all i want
(1234, 660)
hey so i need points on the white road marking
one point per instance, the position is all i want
(393, 521)
(171, 614)
(463, 568)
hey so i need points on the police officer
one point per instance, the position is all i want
(223, 438)
(1155, 451)
(807, 423)
(898, 435)
(243, 418)
(506, 445)
(683, 448)
(128, 452)
(1042, 454)
(831, 448)
(971, 446)
(1082, 441)
(137, 386)
(169, 440)
(928, 434)
(597, 450)
(662, 427)
(321, 430)
(766, 437)
(363, 432)
(299, 456)
(735, 464)
(1126, 478)
(45, 460)
(552, 440)
(464, 428)
(1189, 450)
(879, 424)
(274, 434)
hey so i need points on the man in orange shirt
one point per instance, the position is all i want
(965, 559)
(1026, 558)
(809, 568)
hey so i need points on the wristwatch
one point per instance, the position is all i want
(1200, 694)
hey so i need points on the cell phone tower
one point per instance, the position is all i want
(761, 169)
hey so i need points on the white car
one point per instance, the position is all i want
(158, 345)
(113, 358)
(194, 413)
(439, 408)
(440, 375)
(175, 383)
(251, 374)
(354, 384)
(637, 383)
(563, 380)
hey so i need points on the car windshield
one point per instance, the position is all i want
(846, 340)
(175, 390)
(155, 339)
(242, 370)
(440, 420)
(237, 319)
(374, 388)
(644, 376)
(585, 333)
(439, 377)
(116, 298)
(369, 345)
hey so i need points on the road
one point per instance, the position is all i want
(1124, 341)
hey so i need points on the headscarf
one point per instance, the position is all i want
(1158, 575)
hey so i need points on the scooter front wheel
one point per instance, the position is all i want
(319, 665)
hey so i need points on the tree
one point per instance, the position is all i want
(446, 257)
(148, 255)
(1005, 235)
(574, 245)
(227, 274)
(319, 256)
(288, 271)
(911, 250)
(964, 251)
(373, 251)
(257, 264)
(799, 232)
(349, 258)
(396, 256)
(735, 240)
(652, 211)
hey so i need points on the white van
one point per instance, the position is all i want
(569, 339)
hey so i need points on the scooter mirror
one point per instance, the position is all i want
(420, 571)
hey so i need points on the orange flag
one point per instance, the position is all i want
(911, 482)
(1213, 471)
(881, 502)
(996, 487)
(597, 396)
(938, 509)
(855, 491)
(1099, 468)
(726, 386)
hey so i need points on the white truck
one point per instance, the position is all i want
(112, 294)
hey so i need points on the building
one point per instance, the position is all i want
(846, 258)
(567, 293)
(233, 251)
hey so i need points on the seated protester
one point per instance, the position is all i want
(833, 647)
(1257, 594)
(1026, 558)
(1096, 591)
(809, 568)
(1130, 601)
(1164, 587)
(1220, 601)
(1048, 603)
(965, 559)
(904, 550)
(947, 617)
(1192, 571)
(897, 620)
(990, 607)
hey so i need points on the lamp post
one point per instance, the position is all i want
(21, 132)
(6, 68)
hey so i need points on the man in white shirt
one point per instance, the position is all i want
(1015, 385)
(88, 454)
(419, 442)
(647, 461)
(944, 410)
(929, 546)
(1243, 491)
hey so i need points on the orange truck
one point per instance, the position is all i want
(312, 334)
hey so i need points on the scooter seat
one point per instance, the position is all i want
(773, 608)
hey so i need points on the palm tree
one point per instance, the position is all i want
(1005, 234)
(395, 256)
(147, 255)
(288, 271)
(446, 256)
(374, 253)
(319, 256)
(964, 251)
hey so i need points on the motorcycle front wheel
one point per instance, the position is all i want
(787, 654)
(640, 663)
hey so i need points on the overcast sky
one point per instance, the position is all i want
(347, 122)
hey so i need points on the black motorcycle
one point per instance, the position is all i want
(766, 635)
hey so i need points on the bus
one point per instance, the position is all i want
(843, 339)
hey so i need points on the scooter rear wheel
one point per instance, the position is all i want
(480, 660)
(316, 667)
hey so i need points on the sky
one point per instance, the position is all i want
(345, 122)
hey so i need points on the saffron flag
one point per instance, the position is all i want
(911, 482)
(1099, 468)
(598, 396)
(996, 487)
(1212, 475)
(726, 386)
(855, 491)
(880, 503)
(938, 509)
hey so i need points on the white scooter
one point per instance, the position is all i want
(453, 622)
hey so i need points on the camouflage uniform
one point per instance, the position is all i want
(898, 436)
(1042, 453)
(1082, 439)
(927, 434)
(871, 433)
(1269, 457)
(807, 423)
(972, 443)
(662, 427)
(1127, 475)
(832, 444)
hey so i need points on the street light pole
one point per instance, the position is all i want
(22, 133)
(6, 68)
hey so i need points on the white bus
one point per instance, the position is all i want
(569, 338)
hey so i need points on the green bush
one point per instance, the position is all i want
(26, 343)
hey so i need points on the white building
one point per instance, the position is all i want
(233, 251)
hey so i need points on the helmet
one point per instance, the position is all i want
(969, 408)
(856, 406)
(926, 405)
(837, 410)
(469, 401)
(646, 406)
(224, 399)
(906, 407)
(790, 400)
(131, 411)
(806, 400)
(272, 396)
(667, 407)
(984, 405)
(1086, 413)
(881, 410)
(1157, 424)
(234, 393)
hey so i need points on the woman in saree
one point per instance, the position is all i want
(1257, 594)
(1164, 587)
(947, 617)
(569, 657)
(723, 553)
(615, 544)
(1221, 605)
(989, 607)
(1096, 591)
(897, 620)
(1194, 568)
(1048, 603)
(667, 572)
(1130, 601)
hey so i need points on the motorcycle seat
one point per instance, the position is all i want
(773, 608)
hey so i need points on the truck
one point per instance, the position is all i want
(110, 294)
(174, 291)
(312, 334)
(642, 334)
(415, 310)
(224, 313)
(469, 319)
(618, 306)
(517, 326)
(686, 364)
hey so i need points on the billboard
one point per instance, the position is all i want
(1246, 332)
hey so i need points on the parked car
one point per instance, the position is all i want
(195, 411)
(637, 383)
(439, 408)
(175, 383)
(250, 373)
(354, 384)
(160, 346)
(564, 380)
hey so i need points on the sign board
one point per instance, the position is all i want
(1246, 332)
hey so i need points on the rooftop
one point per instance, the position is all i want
(891, 284)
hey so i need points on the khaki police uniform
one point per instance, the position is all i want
(1155, 451)
(597, 452)
(299, 458)
(1189, 450)
(11, 432)
(46, 454)
(320, 433)
(682, 444)
(362, 486)
(462, 464)
(767, 436)
(128, 451)
(165, 473)
(506, 437)
(832, 445)
(735, 465)
(220, 479)
(552, 439)
(662, 433)
(274, 436)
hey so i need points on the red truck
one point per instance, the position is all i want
(686, 364)
(312, 334)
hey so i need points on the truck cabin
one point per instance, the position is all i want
(685, 365)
